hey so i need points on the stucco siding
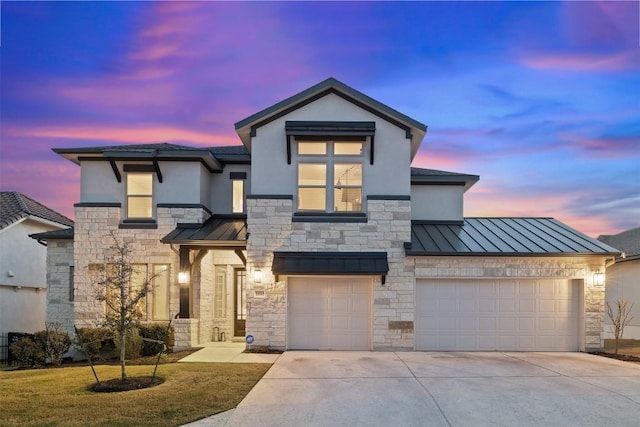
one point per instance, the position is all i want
(623, 282)
(23, 256)
(390, 173)
(221, 192)
(181, 183)
(437, 202)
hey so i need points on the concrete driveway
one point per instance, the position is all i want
(440, 389)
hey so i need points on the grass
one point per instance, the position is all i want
(627, 347)
(59, 396)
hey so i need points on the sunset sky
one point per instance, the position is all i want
(541, 99)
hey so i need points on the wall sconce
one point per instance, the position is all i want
(598, 279)
(257, 276)
(183, 277)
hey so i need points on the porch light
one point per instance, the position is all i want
(257, 276)
(598, 279)
(183, 277)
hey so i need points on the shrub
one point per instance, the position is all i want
(54, 342)
(28, 352)
(96, 343)
(157, 332)
(132, 344)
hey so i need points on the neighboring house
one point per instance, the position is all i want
(623, 278)
(23, 266)
(317, 234)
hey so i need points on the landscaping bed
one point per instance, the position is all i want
(628, 350)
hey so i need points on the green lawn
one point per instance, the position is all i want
(54, 397)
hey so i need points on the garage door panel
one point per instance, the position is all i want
(527, 306)
(518, 315)
(329, 313)
(487, 306)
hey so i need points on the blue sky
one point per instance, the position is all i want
(541, 99)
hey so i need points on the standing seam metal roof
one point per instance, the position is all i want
(502, 236)
(218, 229)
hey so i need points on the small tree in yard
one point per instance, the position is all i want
(620, 318)
(122, 299)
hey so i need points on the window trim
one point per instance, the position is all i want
(325, 129)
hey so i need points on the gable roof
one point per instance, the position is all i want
(421, 176)
(502, 237)
(246, 128)
(15, 206)
(627, 241)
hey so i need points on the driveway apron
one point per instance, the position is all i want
(440, 389)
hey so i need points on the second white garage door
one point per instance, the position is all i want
(507, 315)
(329, 313)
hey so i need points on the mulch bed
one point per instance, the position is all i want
(622, 357)
(130, 383)
(263, 350)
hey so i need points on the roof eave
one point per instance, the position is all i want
(236, 244)
(467, 180)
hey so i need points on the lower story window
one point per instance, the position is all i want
(154, 305)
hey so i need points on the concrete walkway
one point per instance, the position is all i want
(440, 389)
(228, 352)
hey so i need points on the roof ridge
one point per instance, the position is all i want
(21, 202)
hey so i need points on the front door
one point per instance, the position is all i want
(239, 303)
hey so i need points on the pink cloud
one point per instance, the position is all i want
(141, 134)
(483, 202)
(55, 184)
(583, 61)
(601, 23)
(607, 147)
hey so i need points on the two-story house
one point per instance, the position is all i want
(317, 233)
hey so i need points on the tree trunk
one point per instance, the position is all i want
(123, 371)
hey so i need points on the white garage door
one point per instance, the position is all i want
(485, 315)
(329, 313)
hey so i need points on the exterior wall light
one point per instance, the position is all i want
(257, 276)
(183, 277)
(598, 279)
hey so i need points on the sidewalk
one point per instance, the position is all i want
(228, 352)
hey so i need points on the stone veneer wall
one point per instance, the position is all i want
(59, 305)
(92, 237)
(270, 226)
(539, 267)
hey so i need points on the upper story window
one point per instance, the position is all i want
(330, 176)
(237, 191)
(140, 195)
(238, 196)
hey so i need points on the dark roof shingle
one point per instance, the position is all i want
(627, 241)
(14, 206)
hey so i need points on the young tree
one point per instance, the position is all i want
(123, 291)
(620, 318)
